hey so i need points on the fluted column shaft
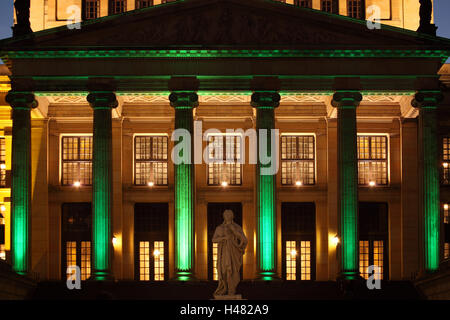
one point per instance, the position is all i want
(183, 103)
(265, 103)
(21, 103)
(427, 102)
(102, 103)
(346, 103)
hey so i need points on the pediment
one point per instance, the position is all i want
(215, 23)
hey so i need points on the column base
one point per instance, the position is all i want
(350, 283)
(102, 276)
(184, 276)
(268, 276)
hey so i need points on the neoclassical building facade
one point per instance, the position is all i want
(89, 117)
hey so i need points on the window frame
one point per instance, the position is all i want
(298, 134)
(3, 159)
(61, 152)
(241, 162)
(362, 12)
(135, 161)
(298, 3)
(84, 9)
(138, 4)
(388, 158)
(334, 6)
(112, 6)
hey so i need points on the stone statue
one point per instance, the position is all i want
(23, 17)
(231, 247)
(425, 11)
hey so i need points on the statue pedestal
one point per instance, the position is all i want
(229, 297)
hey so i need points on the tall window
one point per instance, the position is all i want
(331, 6)
(150, 160)
(2, 237)
(303, 3)
(356, 9)
(76, 156)
(224, 159)
(2, 162)
(76, 238)
(297, 160)
(91, 9)
(143, 3)
(446, 161)
(446, 235)
(117, 6)
(151, 238)
(372, 160)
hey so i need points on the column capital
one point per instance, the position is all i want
(265, 99)
(346, 99)
(102, 100)
(183, 99)
(427, 99)
(21, 100)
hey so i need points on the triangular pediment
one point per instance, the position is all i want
(216, 23)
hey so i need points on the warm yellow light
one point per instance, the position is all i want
(298, 183)
(293, 253)
(151, 184)
(77, 184)
(156, 253)
(372, 183)
(3, 166)
(224, 184)
(445, 164)
(114, 241)
(445, 206)
(335, 240)
(2, 208)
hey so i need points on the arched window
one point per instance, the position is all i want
(91, 9)
(331, 6)
(117, 6)
(356, 9)
(303, 3)
(143, 3)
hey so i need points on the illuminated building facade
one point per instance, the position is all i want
(88, 125)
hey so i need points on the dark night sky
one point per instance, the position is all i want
(441, 14)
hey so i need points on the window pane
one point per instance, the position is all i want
(378, 252)
(71, 255)
(372, 160)
(150, 160)
(297, 160)
(305, 254)
(291, 260)
(364, 258)
(224, 156)
(214, 259)
(303, 3)
(144, 260)
(117, 6)
(76, 160)
(91, 9)
(85, 260)
(158, 255)
(446, 160)
(355, 9)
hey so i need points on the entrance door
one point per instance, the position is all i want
(151, 225)
(76, 234)
(215, 218)
(298, 224)
(373, 238)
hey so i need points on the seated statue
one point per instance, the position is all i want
(231, 247)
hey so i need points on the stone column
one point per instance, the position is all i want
(184, 102)
(265, 103)
(427, 102)
(102, 102)
(346, 103)
(21, 103)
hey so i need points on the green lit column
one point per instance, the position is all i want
(346, 103)
(21, 103)
(427, 102)
(102, 102)
(265, 103)
(183, 103)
